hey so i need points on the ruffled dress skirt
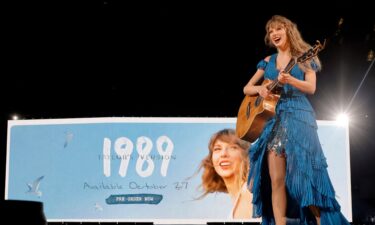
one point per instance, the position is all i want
(293, 133)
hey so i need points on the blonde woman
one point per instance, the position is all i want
(225, 169)
(288, 168)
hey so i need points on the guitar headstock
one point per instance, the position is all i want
(312, 52)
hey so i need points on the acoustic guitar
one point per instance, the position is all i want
(255, 110)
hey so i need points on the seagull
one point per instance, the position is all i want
(34, 187)
(68, 138)
(98, 207)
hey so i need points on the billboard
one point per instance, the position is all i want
(134, 169)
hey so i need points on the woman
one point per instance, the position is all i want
(288, 173)
(225, 169)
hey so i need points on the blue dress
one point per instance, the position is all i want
(293, 132)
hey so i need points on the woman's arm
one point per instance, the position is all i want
(251, 88)
(307, 86)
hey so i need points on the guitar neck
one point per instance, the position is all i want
(287, 69)
(290, 65)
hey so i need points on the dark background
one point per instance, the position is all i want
(115, 58)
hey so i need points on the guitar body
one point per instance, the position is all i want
(253, 114)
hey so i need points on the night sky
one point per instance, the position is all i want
(181, 60)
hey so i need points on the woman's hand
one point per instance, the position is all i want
(284, 78)
(263, 91)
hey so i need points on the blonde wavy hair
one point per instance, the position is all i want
(213, 182)
(297, 45)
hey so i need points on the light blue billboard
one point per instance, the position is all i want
(134, 169)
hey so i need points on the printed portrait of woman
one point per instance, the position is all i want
(225, 169)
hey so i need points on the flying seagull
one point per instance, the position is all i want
(34, 187)
(98, 207)
(68, 138)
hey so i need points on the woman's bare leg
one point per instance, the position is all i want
(277, 170)
(316, 212)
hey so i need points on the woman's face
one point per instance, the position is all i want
(227, 159)
(277, 35)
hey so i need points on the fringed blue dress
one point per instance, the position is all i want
(293, 132)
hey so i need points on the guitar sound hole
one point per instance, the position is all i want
(248, 111)
(257, 102)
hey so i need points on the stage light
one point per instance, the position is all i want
(15, 117)
(342, 119)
